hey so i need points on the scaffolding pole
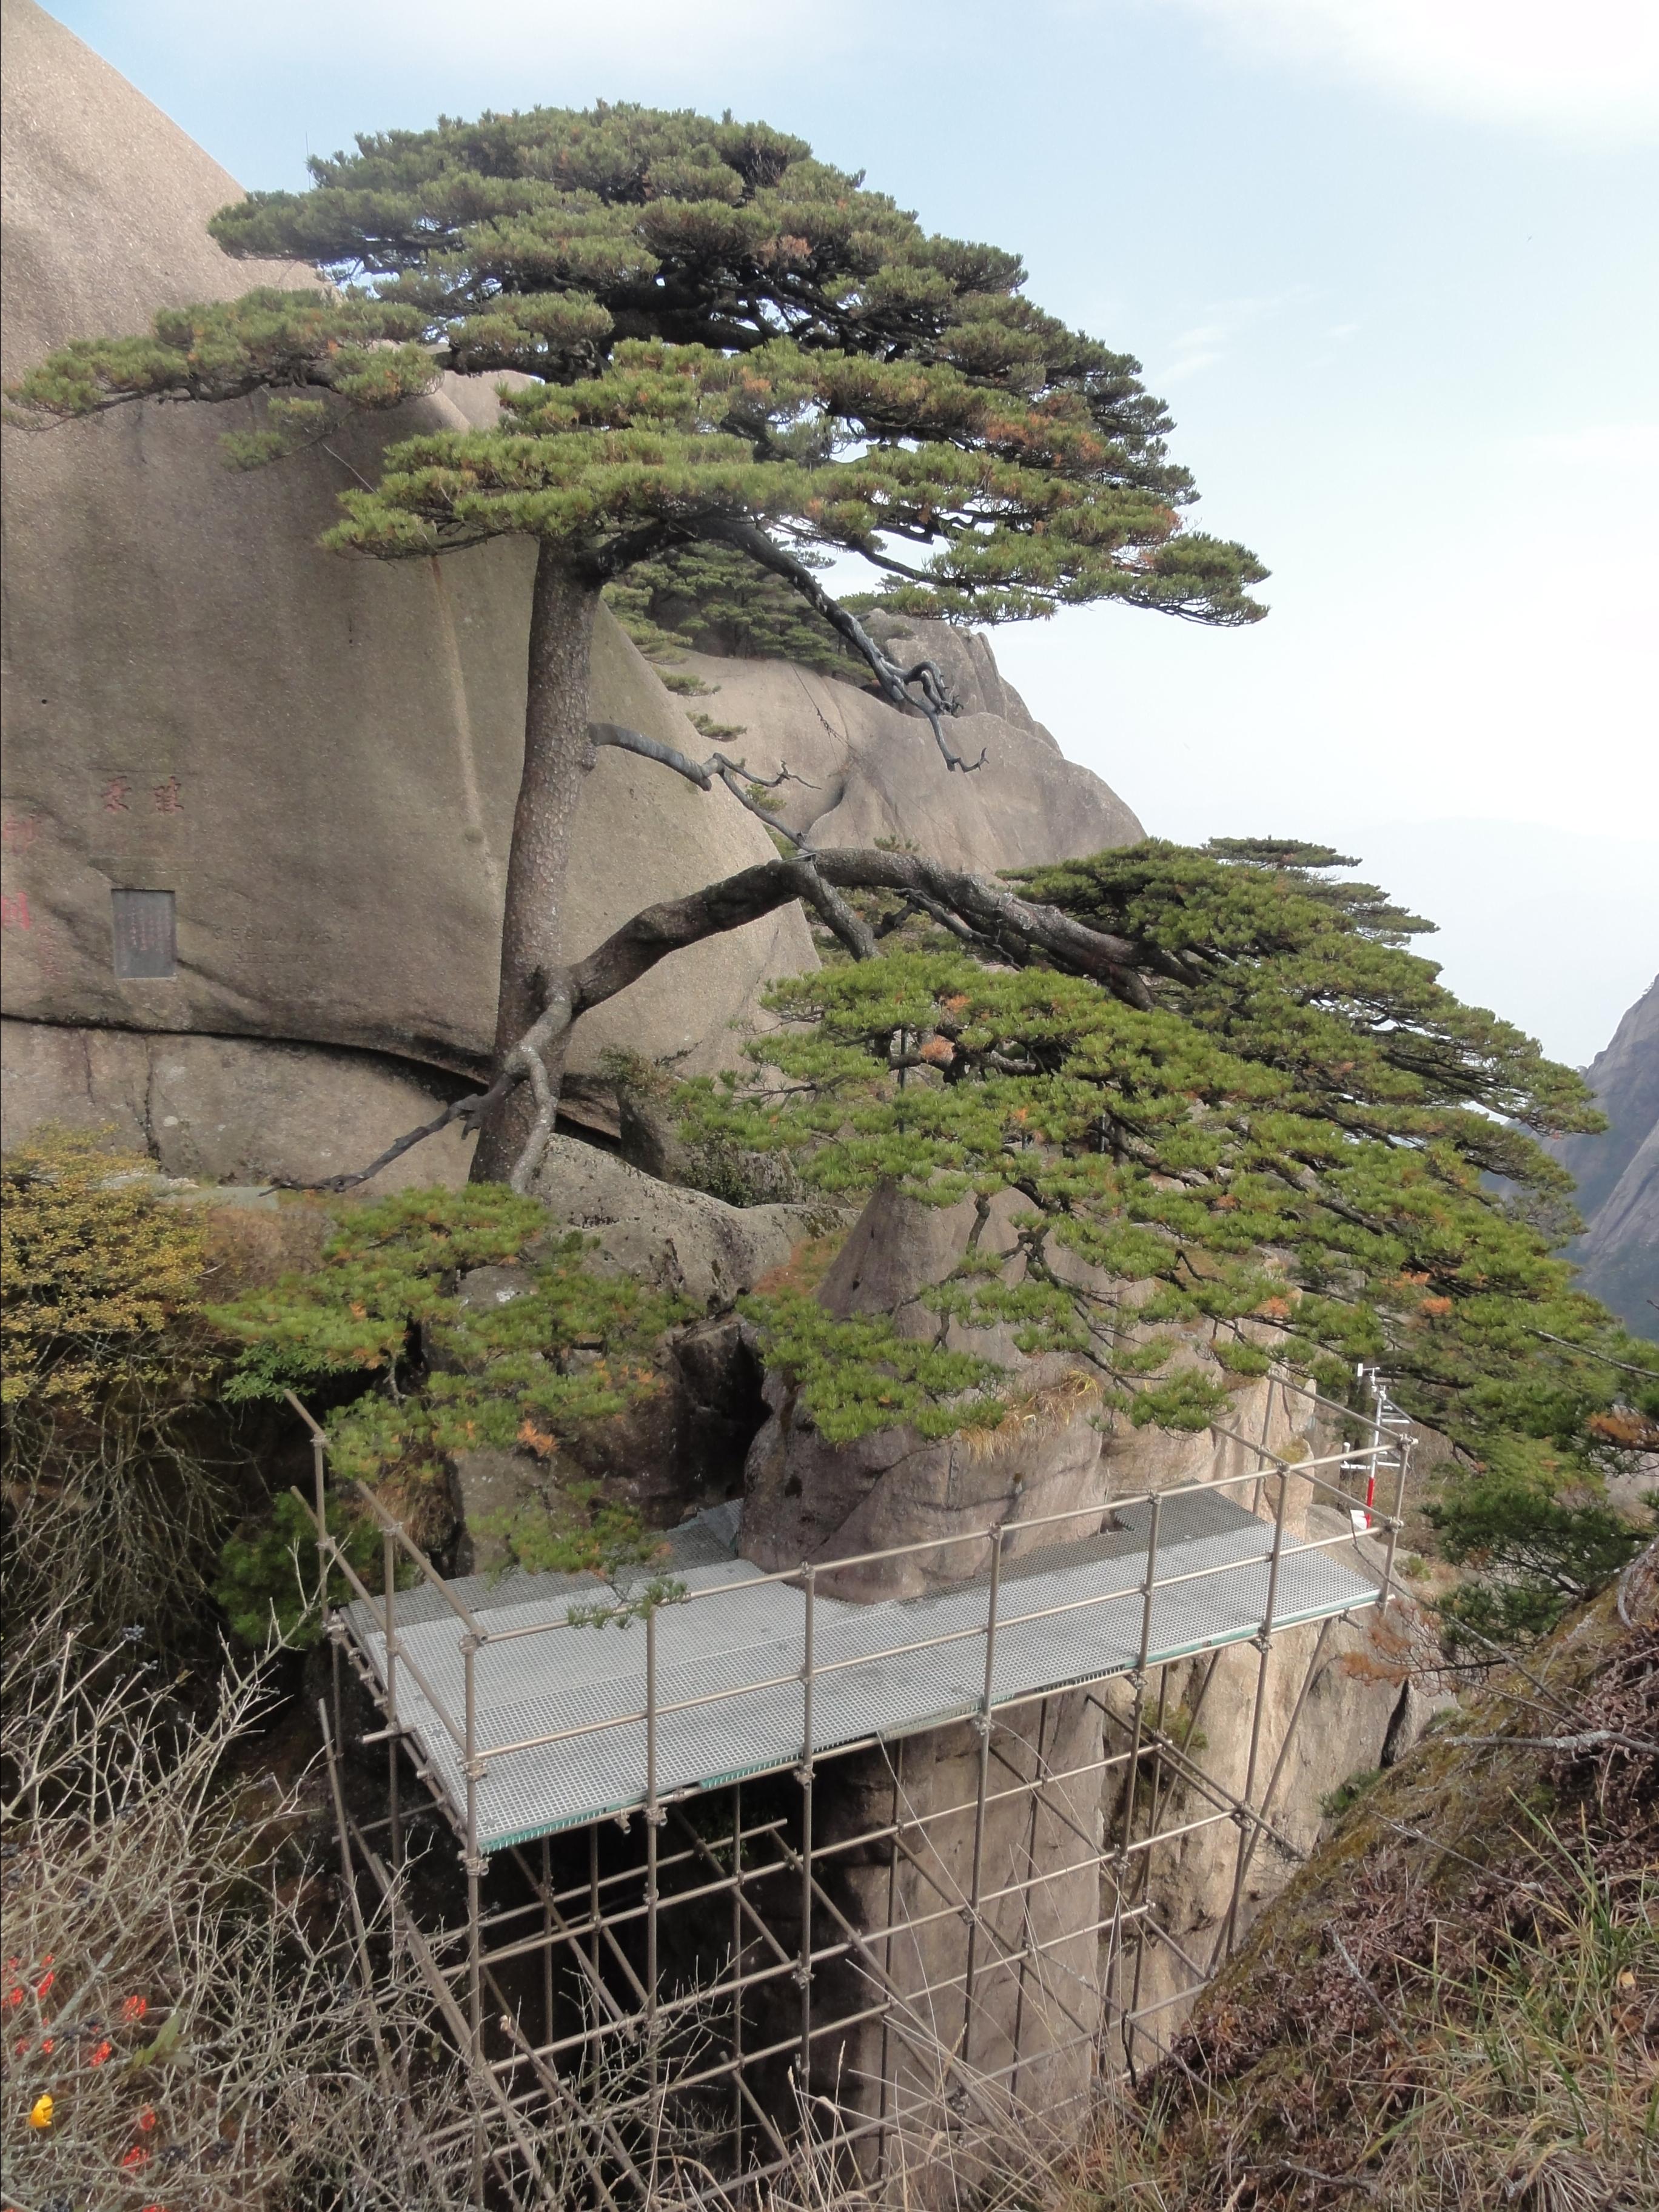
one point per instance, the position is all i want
(775, 1858)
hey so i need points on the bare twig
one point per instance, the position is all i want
(738, 780)
(1348, 1960)
(1588, 1352)
(466, 1110)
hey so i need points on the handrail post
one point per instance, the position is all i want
(1131, 1775)
(804, 1970)
(983, 1725)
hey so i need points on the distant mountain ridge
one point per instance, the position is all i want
(1618, 1172)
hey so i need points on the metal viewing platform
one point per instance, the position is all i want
(736, 1849)
(561, 1711)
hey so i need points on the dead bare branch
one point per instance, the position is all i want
(466, 1110)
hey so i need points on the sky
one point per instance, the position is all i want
(1392, 263)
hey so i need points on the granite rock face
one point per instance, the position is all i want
(867, 773)
(681, 1241)
(316, 756)
(807, 1498)
(231, 1109)
(1054, 1453)
(682, 1446)
(1618, 1172)
(306, 764)
(1323, 1704)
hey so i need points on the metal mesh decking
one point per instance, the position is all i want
(1071, 1613)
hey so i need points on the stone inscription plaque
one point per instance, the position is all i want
(146, 936)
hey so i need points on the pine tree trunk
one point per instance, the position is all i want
(556, 757)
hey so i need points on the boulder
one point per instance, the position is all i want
(806, 1499)
(1055, 1452)
(677, 1240)
(316, 756)
(231, 1109)
(682, 1447)
(965, 659)
(868, 773)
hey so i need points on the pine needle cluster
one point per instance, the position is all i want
(435, 1375)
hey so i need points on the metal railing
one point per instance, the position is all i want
(611, 1923)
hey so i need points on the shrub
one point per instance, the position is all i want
(437, 1374)
(177, 1985)
(112, 1494)
(267, 1584)
(1541, 1536)
(99, 1279)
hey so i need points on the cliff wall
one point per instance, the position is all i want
(1618, 1172)
(258, 797)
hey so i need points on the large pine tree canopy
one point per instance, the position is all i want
(705, 328)
(1303, 1145)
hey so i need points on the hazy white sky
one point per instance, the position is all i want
(1392, 261)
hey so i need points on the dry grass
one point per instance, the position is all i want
(1040, 1414)
(1455, 2007)
(182, 2030)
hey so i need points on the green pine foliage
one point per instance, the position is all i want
(859, 1375)
(1297, 1142)
(711, 598)
(439, 1376)
(267, 1584)
(1540, 1532)
(705, 325)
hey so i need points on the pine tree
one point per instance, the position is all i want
(714, 341)
(1292, 1140)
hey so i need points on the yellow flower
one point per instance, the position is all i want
(40, 2112)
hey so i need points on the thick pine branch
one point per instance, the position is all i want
(994, 917)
